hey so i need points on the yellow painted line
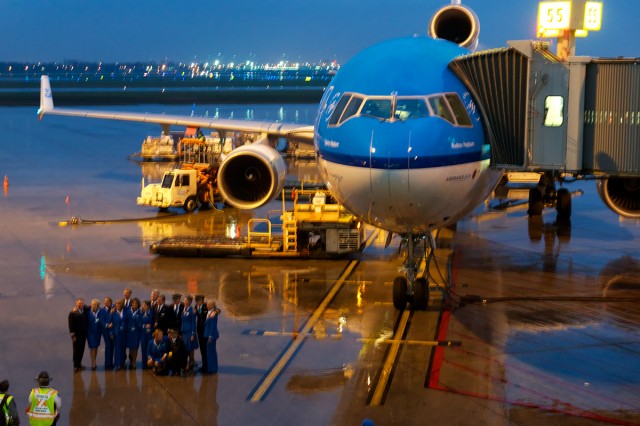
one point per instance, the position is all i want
(414, 342)
(290, 334)
(388, 364)
(284, 360)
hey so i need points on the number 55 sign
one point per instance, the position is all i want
(569, 15)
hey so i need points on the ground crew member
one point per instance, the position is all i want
(44, 403)
(8, 405)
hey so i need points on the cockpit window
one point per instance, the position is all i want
(410, 108)
(352, 108)
(378, 108)
(460, 112)
(447, 106)
(335, 116)
(441, 109)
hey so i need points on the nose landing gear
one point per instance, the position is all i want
(409, 288)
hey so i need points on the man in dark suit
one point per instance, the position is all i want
(126, 297)
(153, 307)
(78, 318)
(176, 359)
(201, 316)
(163, 316)
(178, 309)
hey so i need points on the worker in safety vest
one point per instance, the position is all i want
(44, 403)
(8, 405)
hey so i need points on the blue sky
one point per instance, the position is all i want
(264, 31)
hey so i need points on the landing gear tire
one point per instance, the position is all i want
(535, 202)
(190, 204)
(400, 285)
(563, 205)
(420, 294)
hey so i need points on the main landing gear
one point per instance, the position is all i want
(545, 195)
(409, 288)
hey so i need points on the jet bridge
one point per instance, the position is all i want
(577, 117)
(581, 116)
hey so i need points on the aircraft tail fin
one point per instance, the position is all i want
(46, 98)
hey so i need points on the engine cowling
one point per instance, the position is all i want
(251, 176)
(621, 194)
(456, 23)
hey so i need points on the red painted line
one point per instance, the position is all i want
(438, 360)
(438, 354)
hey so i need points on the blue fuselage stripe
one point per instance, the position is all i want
(396, 163)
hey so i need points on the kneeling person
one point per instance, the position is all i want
(157, 353)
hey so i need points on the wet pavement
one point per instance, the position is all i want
(546, 317)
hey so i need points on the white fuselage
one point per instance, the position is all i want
(411, 200)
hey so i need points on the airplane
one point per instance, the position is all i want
(398, 139)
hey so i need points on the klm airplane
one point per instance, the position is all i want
(398, 139)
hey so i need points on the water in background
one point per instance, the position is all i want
(63, 166)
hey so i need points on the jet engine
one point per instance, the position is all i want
(251, 175)
(621, 194)
(456, 23)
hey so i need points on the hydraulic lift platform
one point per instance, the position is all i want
(317, 226)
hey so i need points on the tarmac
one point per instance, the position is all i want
(529, 322)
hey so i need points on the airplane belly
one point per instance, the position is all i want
(411, 200)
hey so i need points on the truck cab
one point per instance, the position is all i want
(177, 189)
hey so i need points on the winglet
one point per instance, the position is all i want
(46, 98)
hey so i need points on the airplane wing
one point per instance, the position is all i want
(268, 129)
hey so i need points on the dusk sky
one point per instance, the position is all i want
(265, 31)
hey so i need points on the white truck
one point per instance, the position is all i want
(184, 187)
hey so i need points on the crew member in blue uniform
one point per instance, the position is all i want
(134, 332)
(119, 320)
(146, 323)
(189, 331)
(157, 352)
(107, 335)
(94, 331)
(211, 334)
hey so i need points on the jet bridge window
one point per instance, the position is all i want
(410, 108)
(377, 107)
(553, 111)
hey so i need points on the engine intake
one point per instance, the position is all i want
(251, 176)
(622, 195)
(456, 23)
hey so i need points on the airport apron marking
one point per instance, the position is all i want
(263, 387)
(389, 364)
(383, 382)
